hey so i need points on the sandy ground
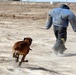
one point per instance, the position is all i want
(19, 20)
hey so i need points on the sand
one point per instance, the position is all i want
(19, 20)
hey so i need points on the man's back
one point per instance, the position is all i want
(61, 16)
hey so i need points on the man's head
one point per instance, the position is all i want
(63, 6)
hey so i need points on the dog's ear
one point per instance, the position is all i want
(30, 41)
(24, 39)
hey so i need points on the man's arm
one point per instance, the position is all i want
(49, 22)
(73, 22)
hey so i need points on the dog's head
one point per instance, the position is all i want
(28, 40)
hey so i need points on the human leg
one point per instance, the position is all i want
(55, 28)
(60, 34)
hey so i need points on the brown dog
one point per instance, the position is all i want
(21, 48)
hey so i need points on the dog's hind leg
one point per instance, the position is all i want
(14, 55)
(17, 60)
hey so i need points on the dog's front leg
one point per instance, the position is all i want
(22, 60)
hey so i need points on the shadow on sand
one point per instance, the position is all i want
(45, 69)
(70, 55)
(38, 68)
(41, 68)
